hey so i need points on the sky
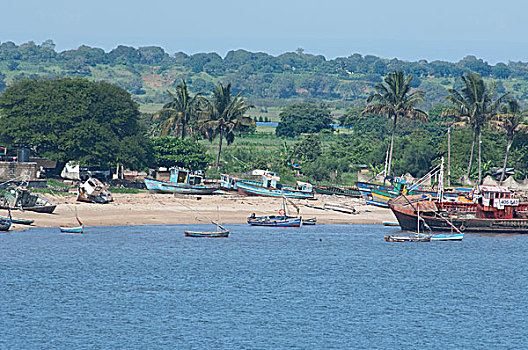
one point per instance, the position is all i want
(406, 29)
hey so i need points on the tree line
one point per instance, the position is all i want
(291, 75)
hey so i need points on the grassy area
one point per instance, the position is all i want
(126, 190)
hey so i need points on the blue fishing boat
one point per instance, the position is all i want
(269, 187)
(5, 224)
(73, 229)
(221, 232)
(274, 221)
(18, 220)
(228, 182)
(181, 181)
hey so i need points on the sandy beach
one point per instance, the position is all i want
(166, 209)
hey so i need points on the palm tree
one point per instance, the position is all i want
(224, 116)
(394, 98)
(178, 113)
(474, 106)
(510, 120)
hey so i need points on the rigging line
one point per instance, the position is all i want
(193, 209)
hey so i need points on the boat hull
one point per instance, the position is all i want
(465, 223)
(19, 221)
(249, 189)
(71, 229)
(156, 186)
(275, 221)
(220, 234)
(5, 225)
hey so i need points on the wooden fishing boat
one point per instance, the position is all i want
(73, 229)
(495, 212)
(275, 221)
(269, 187)
(212, 234)
(390, 223)
(181, 181)
(19, 221)
(310, 221)
(5, 224)
(447, 236)
(410, 238)
(338, 190)
(21, 198)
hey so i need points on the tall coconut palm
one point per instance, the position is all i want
(510, 119)
(394, 98)
(224, 116)
(473, 105)
(179, 112)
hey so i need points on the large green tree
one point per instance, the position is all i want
(300, 118)
(225, 116)
(93, 123)
(171, 151)
(510, 120)
(474, 106)
(394, 98)
(179, 112)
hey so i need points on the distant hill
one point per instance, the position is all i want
(265, 80)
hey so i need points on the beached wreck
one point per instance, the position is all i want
(21, 198)
(94, 191)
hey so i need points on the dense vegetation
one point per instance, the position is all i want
(304, 93)
(265, 80)
(93, 123)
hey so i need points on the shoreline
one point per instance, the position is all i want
(167, 209)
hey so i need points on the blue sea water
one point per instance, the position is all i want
(320, 287)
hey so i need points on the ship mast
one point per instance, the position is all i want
(440, 193)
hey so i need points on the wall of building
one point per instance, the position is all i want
(14, 170)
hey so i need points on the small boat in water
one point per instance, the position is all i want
(221, 232)
(274, 221)
(310, 221)
(390, 223)
(410, 238)
(73, 229)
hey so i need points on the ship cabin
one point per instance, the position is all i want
(496, 202)
(228, 182)
(184, 176)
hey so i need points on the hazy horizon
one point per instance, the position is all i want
(409, 30)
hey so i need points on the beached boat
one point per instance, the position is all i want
(221, 232)
(228, 182)
(495, 211)
(21, 198)
(5, 223)
(269, 187)
(181, 181)
(73, 229)
(94, 191)
(19, 221)
(338, 190)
